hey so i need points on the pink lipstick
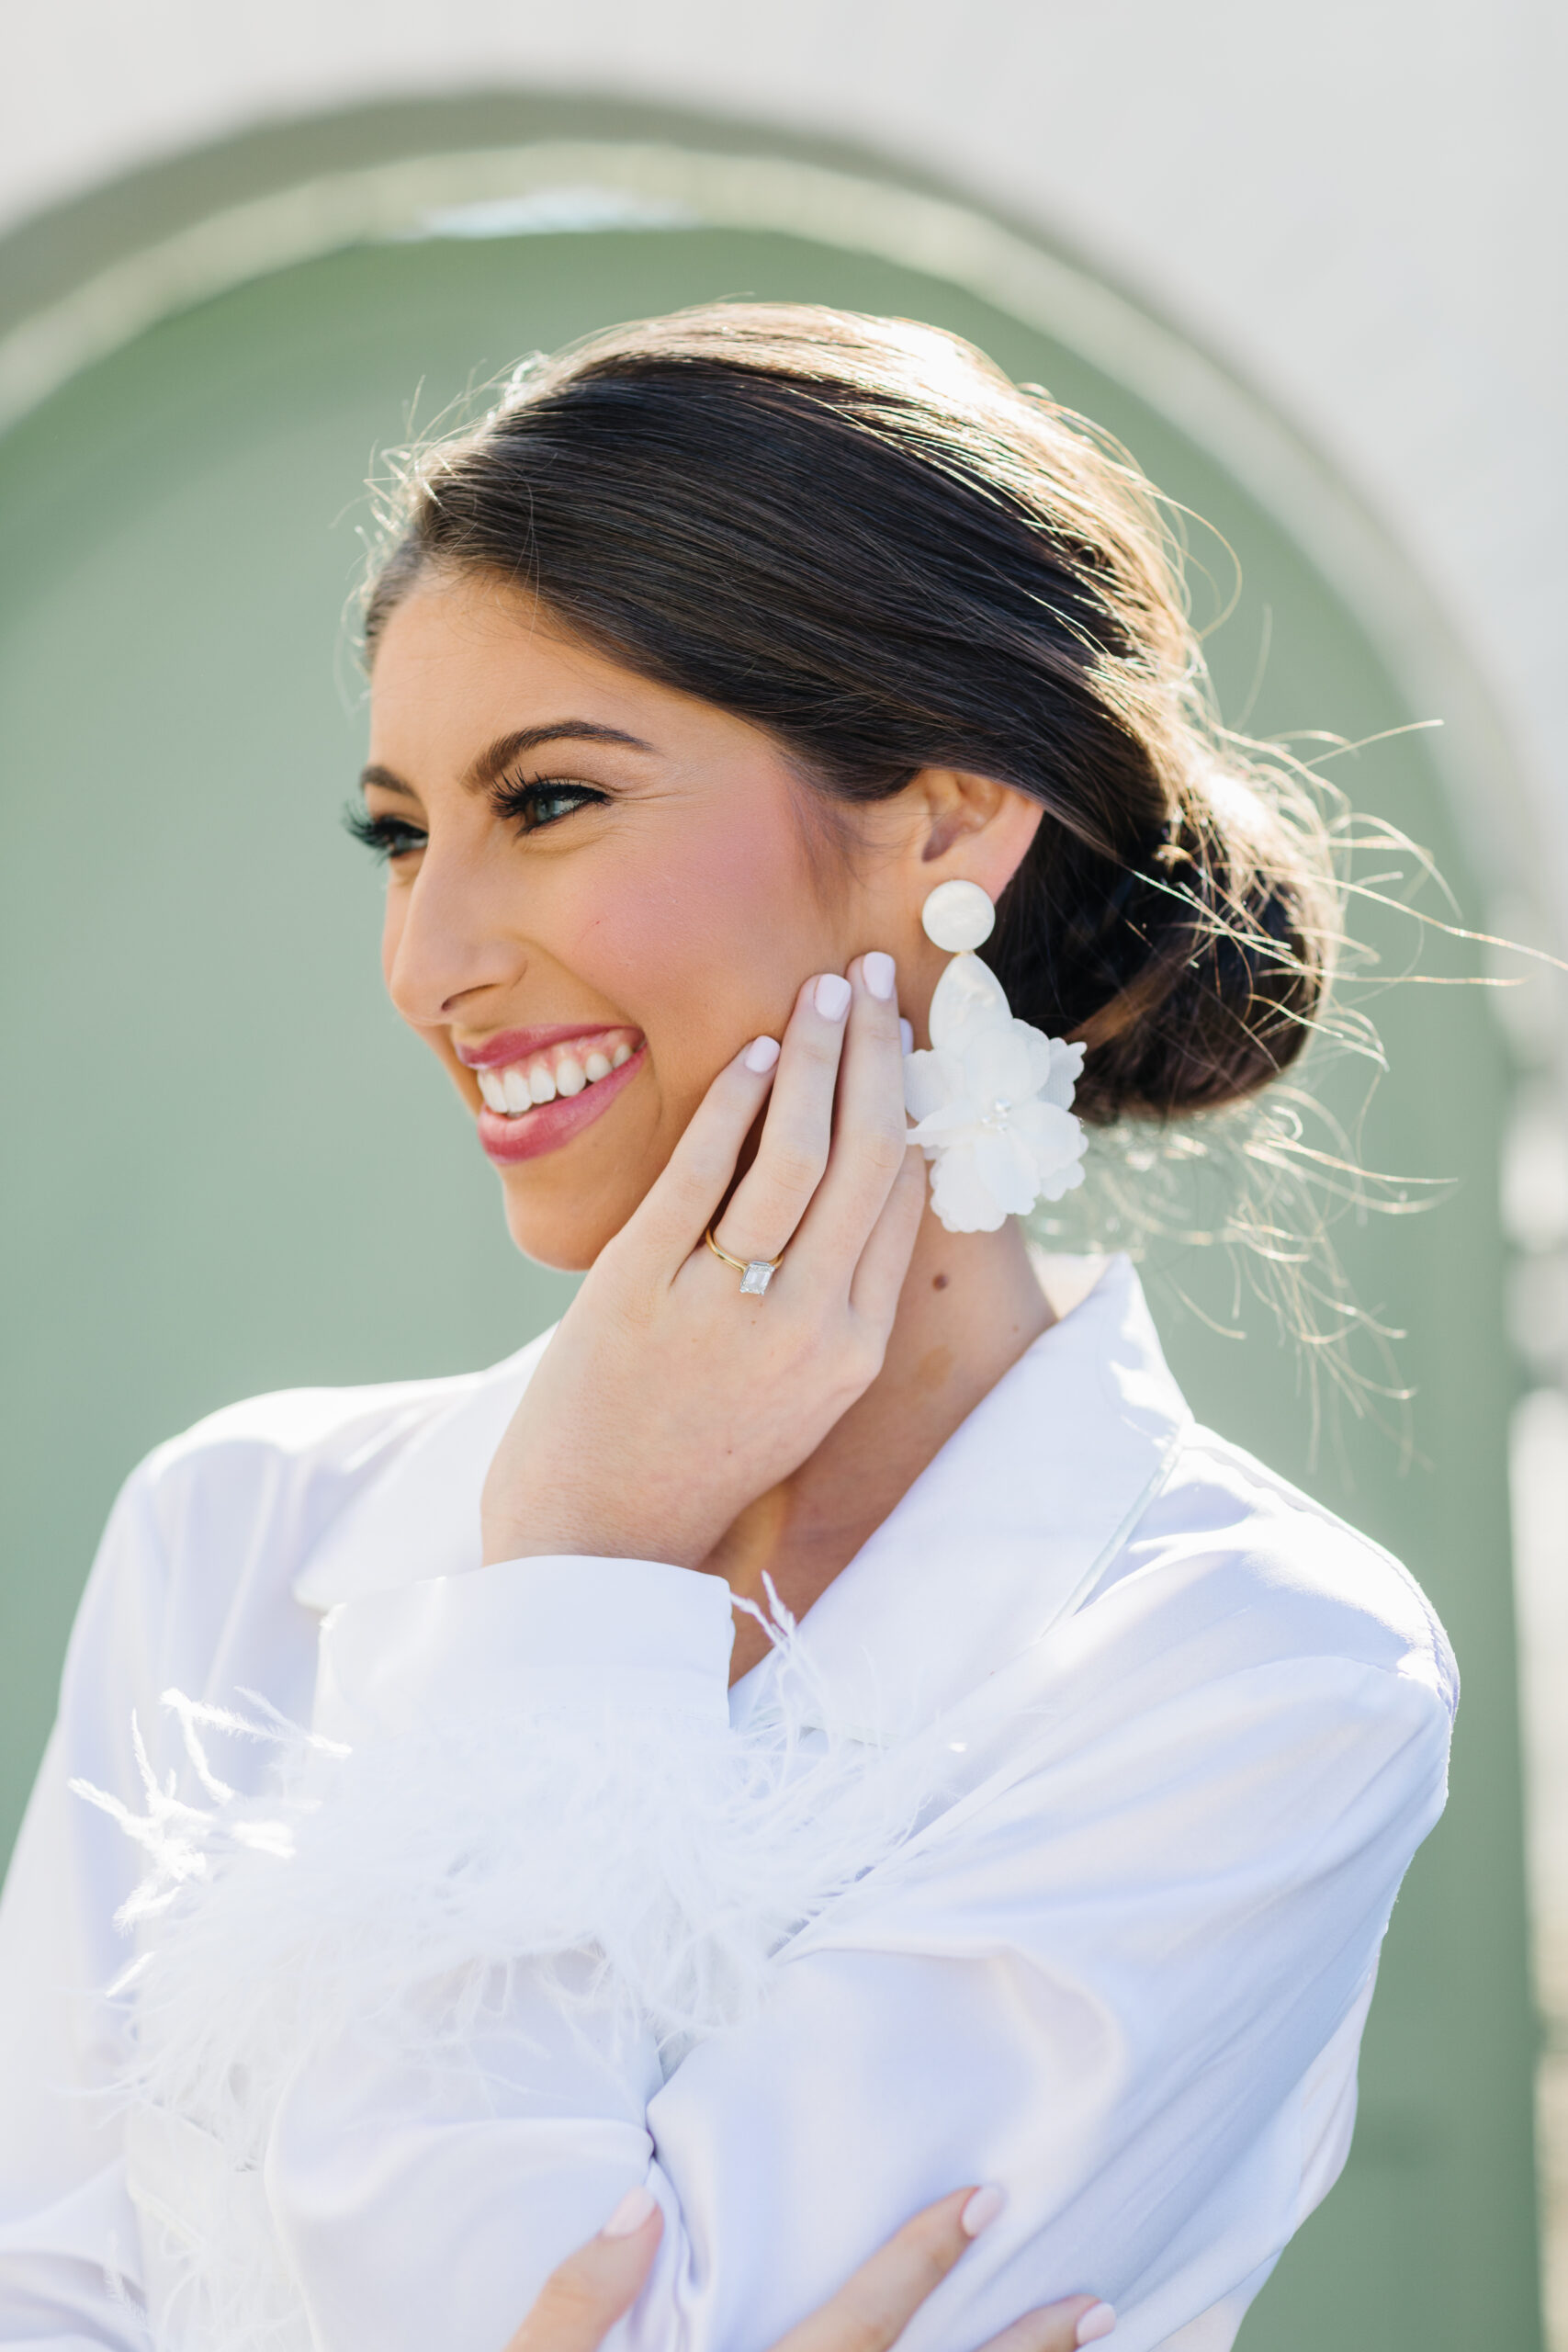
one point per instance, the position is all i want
(543, 1085)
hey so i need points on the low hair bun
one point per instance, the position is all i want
(1193, 972)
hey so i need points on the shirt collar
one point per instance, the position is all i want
(1001, 1535)
(1011, 1526)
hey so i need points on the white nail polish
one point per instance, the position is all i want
(906, 1035)
(982, 2210)
(761, 1054)
(831, 995)
(1095, 2323)
(630, 2214)
(880, 974)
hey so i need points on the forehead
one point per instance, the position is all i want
(481, 648)
(460, 663)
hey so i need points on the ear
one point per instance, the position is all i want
(946, 825)
(966, 826)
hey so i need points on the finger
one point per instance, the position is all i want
(669, 1224)
(870, 1127)
(583, 2298)
(877, 1283)
(871, 2309)
(1056, 2327)
(773, 1195)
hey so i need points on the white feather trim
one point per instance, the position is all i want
(643, 1867)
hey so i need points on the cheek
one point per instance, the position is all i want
(713, 934)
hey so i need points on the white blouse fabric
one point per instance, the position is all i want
(1056, 1851)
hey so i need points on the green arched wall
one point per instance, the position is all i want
(227, 1170)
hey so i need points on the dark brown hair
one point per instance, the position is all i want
(857, 534)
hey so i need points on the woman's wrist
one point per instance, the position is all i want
(503, 1538)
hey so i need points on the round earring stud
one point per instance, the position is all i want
(958, 916)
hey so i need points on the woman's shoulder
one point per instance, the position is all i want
(1229, 1546)
(199, 1585)
(296, 1438)
(295, 1460)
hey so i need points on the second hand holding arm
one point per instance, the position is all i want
(703, 1399)
(586, 2294)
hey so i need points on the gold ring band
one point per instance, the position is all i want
(755, 1274)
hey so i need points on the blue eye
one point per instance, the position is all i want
(529, 807)
(385, 837)
(544, 801)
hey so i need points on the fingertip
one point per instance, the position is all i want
(880, 974)
(634, 2212)
(760, 1055)
(982, 2210)
(1063, 2327)
(598, 2283)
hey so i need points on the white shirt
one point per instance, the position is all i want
(1057, 1852)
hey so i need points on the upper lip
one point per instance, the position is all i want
(516, 1045)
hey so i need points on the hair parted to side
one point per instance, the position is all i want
(857, 534)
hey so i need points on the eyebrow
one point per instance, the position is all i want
(493, 761)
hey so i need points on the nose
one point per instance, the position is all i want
(451, 937)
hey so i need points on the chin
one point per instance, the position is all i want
(565, 1236)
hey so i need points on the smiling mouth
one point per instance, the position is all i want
(541, 1095)
(558, 1071)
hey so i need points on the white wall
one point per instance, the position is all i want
(1361, 203)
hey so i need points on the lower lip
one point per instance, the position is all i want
(550, 1124)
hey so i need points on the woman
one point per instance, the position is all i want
(723, 682)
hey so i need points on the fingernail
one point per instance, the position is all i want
(632, 2212)
(831, 995)
(1097, 2321)
(982, 2210)
(761, 1054)
(880, 974)
(906, 1035)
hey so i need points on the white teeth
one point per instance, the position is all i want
(517, 1088)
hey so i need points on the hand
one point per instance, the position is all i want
(580, 2302)
(667, 1401)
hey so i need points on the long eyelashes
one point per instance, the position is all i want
(530, 806)
(384, 836)
(544, 801)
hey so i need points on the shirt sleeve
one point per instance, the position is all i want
(1105, 1978)
(69, 2257)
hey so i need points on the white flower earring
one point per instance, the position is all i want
(992, 1099)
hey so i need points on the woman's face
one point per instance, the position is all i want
(599, 890)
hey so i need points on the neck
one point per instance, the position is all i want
(972, 1303)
